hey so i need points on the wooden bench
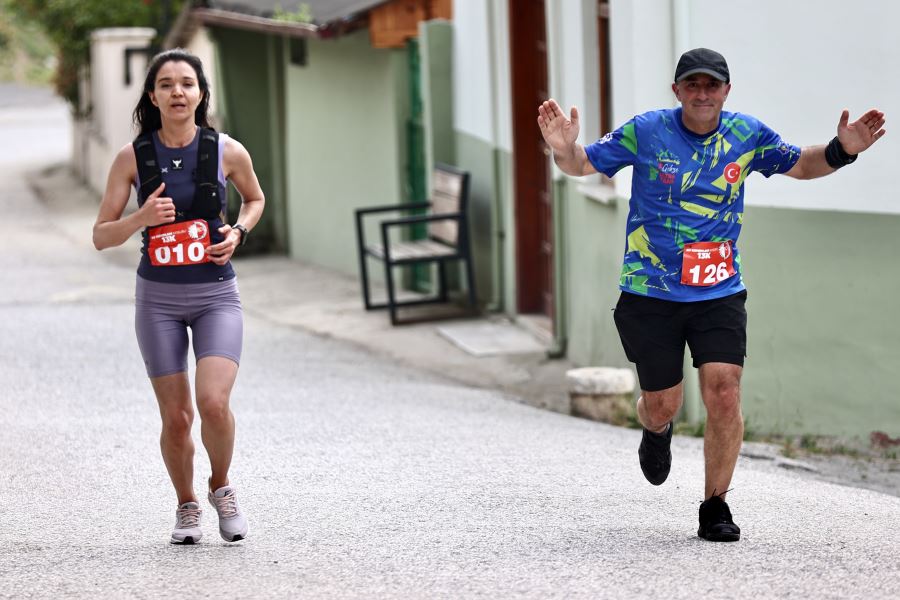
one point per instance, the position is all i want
(447, 240)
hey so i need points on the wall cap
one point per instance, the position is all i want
(116, 34)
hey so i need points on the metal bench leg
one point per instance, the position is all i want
(363, 267)
(364, 273)
(470, 282)
(392, 301)
(442, 280)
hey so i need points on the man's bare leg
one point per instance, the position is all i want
(720, 386)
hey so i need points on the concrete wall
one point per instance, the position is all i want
(782, 77)
(346, 144)
(436, 49)
(482, 124)
(823, 334)
(204, 48)
(110, 101)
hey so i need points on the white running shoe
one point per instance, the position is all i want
(232, 523)
(187, 524)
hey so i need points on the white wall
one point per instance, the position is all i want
(112, 101)
(202, 46)
(481, 76)
(794, 65)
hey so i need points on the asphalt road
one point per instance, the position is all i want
(361, 479)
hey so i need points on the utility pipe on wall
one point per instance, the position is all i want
(497, 219)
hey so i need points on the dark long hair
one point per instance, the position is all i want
(146, 115)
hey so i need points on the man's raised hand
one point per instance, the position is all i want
(857, 136)
(559, 132)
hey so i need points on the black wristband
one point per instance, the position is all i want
(836, 156)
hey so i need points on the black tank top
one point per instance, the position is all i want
(178, 166)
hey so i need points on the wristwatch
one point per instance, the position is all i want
(244, 231)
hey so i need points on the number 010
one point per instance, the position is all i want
(164, 253)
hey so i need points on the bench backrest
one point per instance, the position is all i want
(449, 194)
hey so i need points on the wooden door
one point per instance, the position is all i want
(531, 159)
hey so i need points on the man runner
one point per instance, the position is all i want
(681, 278)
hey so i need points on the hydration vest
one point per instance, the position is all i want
(206, 204)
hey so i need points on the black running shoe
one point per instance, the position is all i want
(655, 454)
(716, 524)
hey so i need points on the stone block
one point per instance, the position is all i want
(602, 394)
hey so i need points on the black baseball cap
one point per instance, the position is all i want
(702, 60)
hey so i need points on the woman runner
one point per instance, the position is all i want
(185, 279)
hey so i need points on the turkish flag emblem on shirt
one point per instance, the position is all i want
(732, 173)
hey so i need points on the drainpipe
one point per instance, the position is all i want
(681, 42)
(498, 226)
(557, 348)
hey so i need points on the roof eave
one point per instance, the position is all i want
(224, 18)
(188, 22)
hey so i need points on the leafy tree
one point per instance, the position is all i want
(302, 14)
(69, 24)
(26, 55)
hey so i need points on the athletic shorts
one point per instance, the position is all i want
(654, 331)
(164, 312)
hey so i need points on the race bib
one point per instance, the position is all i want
(707, 263)
(179, 244)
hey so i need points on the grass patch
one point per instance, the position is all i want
(691, 429)
(792, 446)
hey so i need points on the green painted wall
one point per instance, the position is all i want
(252, 61)
(824, 340)
(346, 149)
(490, 202)
(436, 44)
(593, 246)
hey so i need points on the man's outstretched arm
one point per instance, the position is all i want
(852, 138)
(561, 134)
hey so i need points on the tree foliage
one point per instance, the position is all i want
(26, 54)
(302, 14)
(69, 24)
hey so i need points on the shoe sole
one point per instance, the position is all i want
(187, 541)
(235, 538)
(719, 537)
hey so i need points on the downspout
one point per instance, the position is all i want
(559, 191)
(557, 347)
(681, 42)
(498, 234)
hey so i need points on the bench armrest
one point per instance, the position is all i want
(421, 219)
(391, 207)
(362, 212)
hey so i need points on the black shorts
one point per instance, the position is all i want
(653, 334)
